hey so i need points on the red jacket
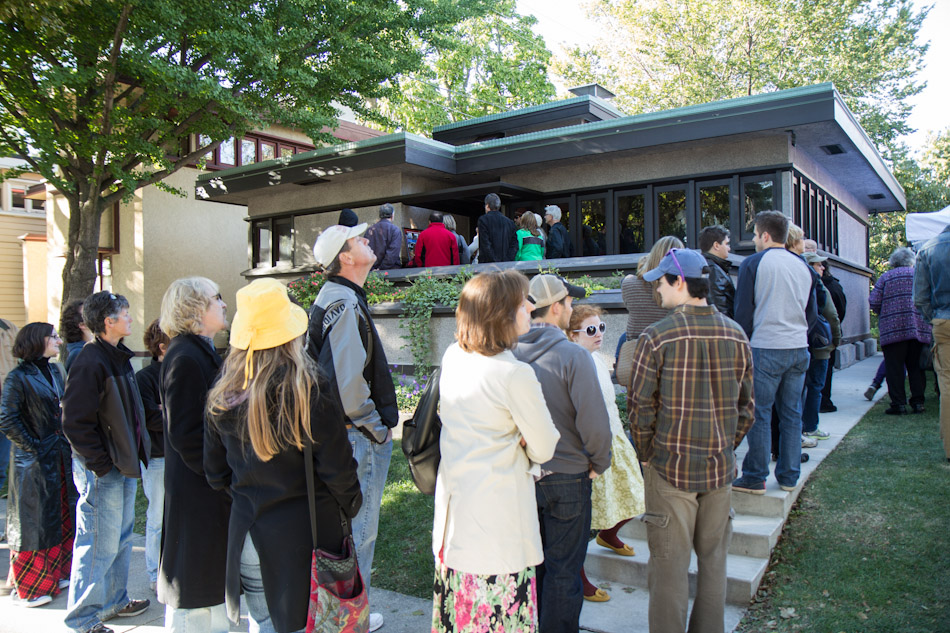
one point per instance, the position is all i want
(437, 246)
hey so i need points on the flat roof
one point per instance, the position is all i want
(816, 114)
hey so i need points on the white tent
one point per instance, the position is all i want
(923, 226)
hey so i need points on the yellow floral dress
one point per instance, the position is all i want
(618, 493)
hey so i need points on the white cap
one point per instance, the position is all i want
(331, 241)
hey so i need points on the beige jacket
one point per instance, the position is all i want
(486, 517)
(8, 333)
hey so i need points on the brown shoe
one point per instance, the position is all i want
(134, 608)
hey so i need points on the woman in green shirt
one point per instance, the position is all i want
(530, 240)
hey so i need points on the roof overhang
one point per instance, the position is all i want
(814, 116)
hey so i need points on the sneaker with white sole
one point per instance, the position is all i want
(64, 583)
(38, 601)
(808, 442)
(817, 434)
(375, 621)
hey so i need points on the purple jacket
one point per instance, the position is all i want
(385, 239)
(893, 300)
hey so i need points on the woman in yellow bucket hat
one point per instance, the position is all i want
(267, 403)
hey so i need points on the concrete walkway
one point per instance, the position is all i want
(758, 524)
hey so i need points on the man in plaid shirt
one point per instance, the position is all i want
(690, 405)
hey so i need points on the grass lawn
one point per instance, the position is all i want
(867, 547)
(403, 559)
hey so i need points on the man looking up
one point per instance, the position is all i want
(714, 243)
(776, 306)
(572, 393)
(690, 405)
(104, 421)
(497, 235)
(343, 340)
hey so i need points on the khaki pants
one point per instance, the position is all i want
(941, 329)
(677, 523)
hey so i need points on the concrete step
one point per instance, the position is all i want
(626, 611)
(775, 503)
(743, 573)
(751, 535)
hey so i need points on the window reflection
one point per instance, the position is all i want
(226, 152)
(757, 197)
(714, 206)
(671, 209)
(630, 223)
(594, 227)
(248, 151)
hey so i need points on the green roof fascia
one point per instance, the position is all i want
(332, 151)
(501, 116)
(820, 90)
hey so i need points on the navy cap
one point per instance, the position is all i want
(681, 262)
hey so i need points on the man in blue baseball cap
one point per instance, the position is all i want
(690, 405)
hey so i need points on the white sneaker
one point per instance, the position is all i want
(375, 621)
(64, 583)
(809, 442)
(38, 601)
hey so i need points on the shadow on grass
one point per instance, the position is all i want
(867, 546)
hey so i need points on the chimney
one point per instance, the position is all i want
(593, 90)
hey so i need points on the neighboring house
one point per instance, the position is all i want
(158, 237)
(621, 181)
(22, 246)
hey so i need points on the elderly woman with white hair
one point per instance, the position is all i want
(903, 332)
(559, 242)
(194, 552)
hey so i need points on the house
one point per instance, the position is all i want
(22, 246)
(621, 181)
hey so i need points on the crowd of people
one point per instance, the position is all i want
(534, 453)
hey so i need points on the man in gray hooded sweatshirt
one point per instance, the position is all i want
(568, 380)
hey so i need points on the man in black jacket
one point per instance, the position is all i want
(558, 244)
(497, 239)
(104, 421)
(714, 243)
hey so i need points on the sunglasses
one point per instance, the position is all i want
(672, 253)
(591, 330)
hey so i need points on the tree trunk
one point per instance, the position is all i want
(82, 247)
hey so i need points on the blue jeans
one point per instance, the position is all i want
(372, 469)
(564, 514)
(201, 620)
(153, 485)
(778, 379)
(103, 547)
(5, 449)
(811, 396)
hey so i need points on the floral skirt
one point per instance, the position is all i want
(618, 493)
(470, 603)
(37, 573)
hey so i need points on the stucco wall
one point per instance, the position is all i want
(852, 239)
(680, 159)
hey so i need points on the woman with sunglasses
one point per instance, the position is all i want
(617, 495)
(42, 501)
(496, 430)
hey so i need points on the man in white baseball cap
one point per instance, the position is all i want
(343, 340)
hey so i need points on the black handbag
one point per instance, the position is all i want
(420, 437)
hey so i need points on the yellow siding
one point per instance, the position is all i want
(12, 295)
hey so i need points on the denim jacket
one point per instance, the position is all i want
(932, 278)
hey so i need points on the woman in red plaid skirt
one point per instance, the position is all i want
(42, 497)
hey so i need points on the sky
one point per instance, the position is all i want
(564, 22)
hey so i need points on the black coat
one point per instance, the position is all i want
(497, 238)
(194, 533)
(103, 416)
(31, 416)
(558, 244)
(270, 502)
(837, 294)
(722, 292)
(147, 380)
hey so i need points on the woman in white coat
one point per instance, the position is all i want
(496, 430)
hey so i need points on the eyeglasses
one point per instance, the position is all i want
(55, 336)
(591, 330)
(672, 252)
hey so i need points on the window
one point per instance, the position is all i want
(248, 151)
(251, 149)
(268, 150)
(593, 227)
(714, 205)
(272, 242)
(284, 240)
(103, 273)
(261, 244)
(816, 212)
(18, 199)
(757, 195)
(671, 211)
(631, 221)
(226, 152)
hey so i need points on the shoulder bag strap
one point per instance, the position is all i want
(308, 468)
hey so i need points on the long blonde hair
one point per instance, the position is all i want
(277, 397)
(652, 260)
